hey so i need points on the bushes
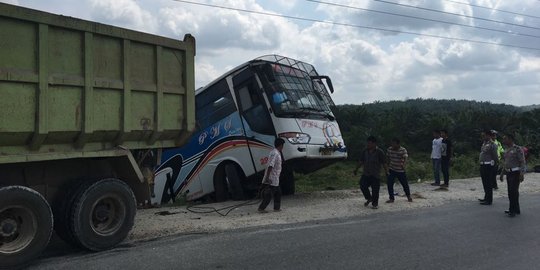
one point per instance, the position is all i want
(340, 175)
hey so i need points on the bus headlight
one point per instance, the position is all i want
(296, 137)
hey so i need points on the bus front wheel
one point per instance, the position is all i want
(228, 183)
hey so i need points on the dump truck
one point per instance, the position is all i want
(76, 98)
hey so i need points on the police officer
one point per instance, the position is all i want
(514, 168)
(487, 159)
(500, 153)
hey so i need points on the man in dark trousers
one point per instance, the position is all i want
(446, 156)
(372, 158)
(270, 183)
(487, 159)
(514, 168)
(397, 160)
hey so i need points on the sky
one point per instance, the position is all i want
(374, 50)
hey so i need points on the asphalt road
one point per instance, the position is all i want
(463, 235)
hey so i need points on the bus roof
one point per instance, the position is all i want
(271, 58)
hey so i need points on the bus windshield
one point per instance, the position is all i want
(294, 93)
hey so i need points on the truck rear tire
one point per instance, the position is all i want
(63, 207)
(26, 225)
(103, 214)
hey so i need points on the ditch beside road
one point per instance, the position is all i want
(167, 221)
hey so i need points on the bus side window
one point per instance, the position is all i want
(214, 104)
(252, 108)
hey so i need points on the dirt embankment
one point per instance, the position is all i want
(315, 206)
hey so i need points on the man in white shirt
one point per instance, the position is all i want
(270, 183)
(436, 154)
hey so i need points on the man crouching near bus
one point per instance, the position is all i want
(270, 183)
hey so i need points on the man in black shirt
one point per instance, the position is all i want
(446, 155)
(372, 158)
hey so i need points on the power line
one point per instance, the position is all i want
(425, 19)
(494, 9)
(456, 14)
(357, 26)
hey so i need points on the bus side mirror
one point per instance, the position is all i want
(328, 81)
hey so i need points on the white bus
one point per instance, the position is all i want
(239, 115)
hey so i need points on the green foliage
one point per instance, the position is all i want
(340, 175)
(336, 176)
(412, 121)
(464, 166)
(419, 170)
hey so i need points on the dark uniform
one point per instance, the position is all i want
(371, 176)
(488, 157)
(514, 168)
(446, 155)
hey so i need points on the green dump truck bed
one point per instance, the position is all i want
(74, 88)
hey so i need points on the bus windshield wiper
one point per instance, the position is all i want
(319, 112)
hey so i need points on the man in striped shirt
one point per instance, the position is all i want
(397, 157)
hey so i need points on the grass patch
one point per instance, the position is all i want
(340, 176)
(336, 176)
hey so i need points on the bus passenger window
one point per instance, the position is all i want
(245, 98)
(214, 104)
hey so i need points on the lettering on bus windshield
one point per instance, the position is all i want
(288, 71)
(309, 124)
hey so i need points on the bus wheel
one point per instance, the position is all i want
(221, 191)
(234, 179)
(103, 214)
(26, 225)
(286, 181)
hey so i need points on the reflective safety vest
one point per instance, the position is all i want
(500, 149)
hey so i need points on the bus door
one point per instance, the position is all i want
(258, 127)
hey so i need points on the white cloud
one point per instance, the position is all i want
(125, 13)
(365, 65)
(221, 28)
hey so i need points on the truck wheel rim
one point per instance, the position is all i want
(18, 226)
(107, 215)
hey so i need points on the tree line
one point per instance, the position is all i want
(412, 121)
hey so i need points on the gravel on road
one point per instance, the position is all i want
(166, 221)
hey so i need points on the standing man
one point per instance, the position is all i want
(446, 155)
(488, 155)
(270, 183)
(372, 158)
(436, 154)
(397, 157)
(514, 168)
(500, 154)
